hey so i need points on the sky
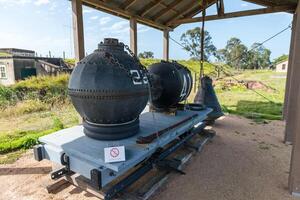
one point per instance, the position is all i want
(46, 25)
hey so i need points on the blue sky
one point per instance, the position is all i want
(45, 25)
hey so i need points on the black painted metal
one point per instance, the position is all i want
(174, 81)
(38, 152)
(207, 96)
(96, 179)
(109, 89)
(65, 160)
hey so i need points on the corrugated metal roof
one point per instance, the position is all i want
(160, 13)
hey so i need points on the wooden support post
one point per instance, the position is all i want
(78, 29)
(293, 116)
(166, 45)
(288, 79)
(133, 35)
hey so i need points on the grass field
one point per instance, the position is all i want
(40, 105)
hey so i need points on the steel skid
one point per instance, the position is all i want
(77, 153)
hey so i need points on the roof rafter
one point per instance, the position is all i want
(186, 12)
(238, 14)
(127, 4)
(260, 2)
(148, 7)
(168, 8)
(100, 5)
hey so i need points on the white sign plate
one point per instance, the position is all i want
(114, 154)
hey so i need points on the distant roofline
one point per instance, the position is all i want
(282, 61)
(16, 49)
(27, 57)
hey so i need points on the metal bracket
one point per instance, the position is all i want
(65, 160)
(38, 152)
(96, 179)
(170, 165)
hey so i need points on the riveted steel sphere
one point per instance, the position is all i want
(109, 90)
(176, 83)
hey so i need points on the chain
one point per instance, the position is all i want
(142, 67)
(112, 60)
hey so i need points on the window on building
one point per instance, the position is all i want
(3, 73)
(283, 66)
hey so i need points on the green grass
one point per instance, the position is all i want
(242, 101)
(25, 139)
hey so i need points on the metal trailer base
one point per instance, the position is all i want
(84, 156)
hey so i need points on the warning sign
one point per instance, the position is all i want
(114, 154)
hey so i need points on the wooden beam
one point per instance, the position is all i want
(149, 7)
(237, 14)
(220, 7)
(127, 4)
(133, 35)
(288, 138)
(261, 2)
(106, 7)
(172, 9)
(164, 11)
(188, 12)
(192, 11)
(78, 29)
(166, 45)
(293, 116)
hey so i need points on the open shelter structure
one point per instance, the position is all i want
(166, 15)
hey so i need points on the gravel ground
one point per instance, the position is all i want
(245, 161)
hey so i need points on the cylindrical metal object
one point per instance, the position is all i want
(175, 83)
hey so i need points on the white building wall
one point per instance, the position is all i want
(282, 67)
(10, 73)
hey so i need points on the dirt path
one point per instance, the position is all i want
(245, 161)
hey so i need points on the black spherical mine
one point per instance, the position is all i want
(109, 89)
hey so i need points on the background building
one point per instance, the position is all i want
(282, 66)
(18, 64)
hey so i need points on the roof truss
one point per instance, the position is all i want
(168, 14)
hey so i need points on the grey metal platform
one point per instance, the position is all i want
(86, 154)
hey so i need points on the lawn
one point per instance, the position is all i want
(40, 105)
(258, 104)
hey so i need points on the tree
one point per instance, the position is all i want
(191, 41)
(280, 59)
(146, 54)
(258, 57)
(234, 54)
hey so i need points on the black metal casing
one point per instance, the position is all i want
(109, 90)
(175, 82)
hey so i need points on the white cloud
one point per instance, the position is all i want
(94, 17)
(104, 20)
(85, 10)
(7, 3)
(118, 27)
(41, 2)
(142, 29)
(53, 6)
(244, 4)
